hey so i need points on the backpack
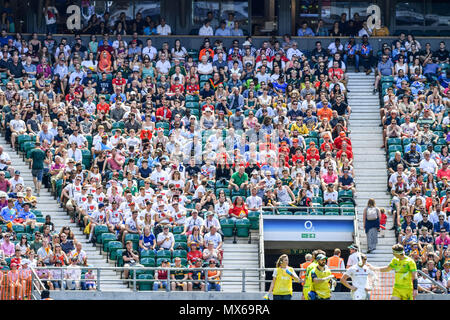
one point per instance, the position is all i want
(372, 214)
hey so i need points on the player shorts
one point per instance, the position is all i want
(305, 292)
(403, 294)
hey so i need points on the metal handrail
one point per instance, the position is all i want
(133, 281)
(423, 274)
(262, 262)
(36, 285)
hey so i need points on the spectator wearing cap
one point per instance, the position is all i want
(197, 276)
(13, 282)
(161, 278)
(88, 207)
(353, 257)
(443, 240)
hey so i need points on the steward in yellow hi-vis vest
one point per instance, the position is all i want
(281, 286)
(320, 280)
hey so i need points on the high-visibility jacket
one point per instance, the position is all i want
(304, 265)
(335, 262)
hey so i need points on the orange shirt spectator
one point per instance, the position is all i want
(203, 52)
(325, 112)
(104, 63)
(338, 72)
(348, 152)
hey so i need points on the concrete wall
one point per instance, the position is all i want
(222, 296)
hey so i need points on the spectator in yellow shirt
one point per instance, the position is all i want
(300, 127)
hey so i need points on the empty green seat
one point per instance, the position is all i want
(145, 285)
(253, 216)
(180, 253)
(164, 254)
(112, 249)
(242, 227)
(227, 226)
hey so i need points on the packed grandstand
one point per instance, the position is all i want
(158, 154)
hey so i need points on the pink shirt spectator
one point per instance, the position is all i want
(445, 241)
(329, 178)
(47, 70)
(8, 248)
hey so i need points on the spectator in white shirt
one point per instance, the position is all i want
(163, 29)
(205, 67)
(428, 165)
(293, 51)
(209, 222)
(206, 29)
(254, 202)
(149, 50)
(73, 274)
(213, 236)
(163, 65)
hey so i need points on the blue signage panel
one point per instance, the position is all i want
(310, 228)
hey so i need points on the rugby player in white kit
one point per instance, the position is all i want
(362, 277)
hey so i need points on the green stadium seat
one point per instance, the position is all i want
(98, 231)
(164, 254)
(180, 253)
(242, 227)
(112, 249)
(145, 285)
(227, 226)
(253, 217)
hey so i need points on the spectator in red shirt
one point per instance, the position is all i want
(239, 209)
(298, 156)
(336, 71)
(194, 253)
(119, 82)
(444, 171)
(346, 150)
(339, 140)
(192, 88)
(163, 113)
(208, 104)
(176, 85)
(102, 105)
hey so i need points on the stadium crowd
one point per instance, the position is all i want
(158, 153)
(412, 80)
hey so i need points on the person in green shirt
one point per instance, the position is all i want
(37, 157)
(406, 283)
(239, 179)
(179, 275)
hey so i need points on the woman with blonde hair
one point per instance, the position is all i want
(281, 286)
(371, 218)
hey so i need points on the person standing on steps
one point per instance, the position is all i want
(37, 167)
(371, 220)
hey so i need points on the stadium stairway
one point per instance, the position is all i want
(369, 161)
(241, 255)
(49, 206)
